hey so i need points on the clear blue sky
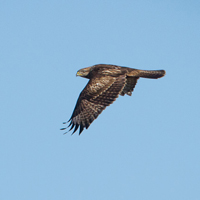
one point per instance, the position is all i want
(143, 147)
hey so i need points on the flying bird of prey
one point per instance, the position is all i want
(106, 83)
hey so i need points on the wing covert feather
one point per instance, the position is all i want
(98, 93)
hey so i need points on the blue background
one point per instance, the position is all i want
(142, 147)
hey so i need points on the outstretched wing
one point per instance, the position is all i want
(98, 93)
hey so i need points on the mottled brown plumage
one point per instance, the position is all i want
(106, 83)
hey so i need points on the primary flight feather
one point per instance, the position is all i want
(106, 83)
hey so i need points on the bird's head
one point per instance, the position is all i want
(84, 72)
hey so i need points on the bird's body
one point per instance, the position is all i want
(106, 83)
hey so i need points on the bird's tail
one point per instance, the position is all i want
(150, 73)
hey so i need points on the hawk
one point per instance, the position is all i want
(106, 83)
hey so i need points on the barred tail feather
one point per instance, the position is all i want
(151, 73)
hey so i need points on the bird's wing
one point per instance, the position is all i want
(98, 93)
(129, 85)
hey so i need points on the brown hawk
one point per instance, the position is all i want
(106, 83)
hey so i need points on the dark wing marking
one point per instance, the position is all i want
(98, 93)
(129, 85)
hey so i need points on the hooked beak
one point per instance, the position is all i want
(79, 73)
